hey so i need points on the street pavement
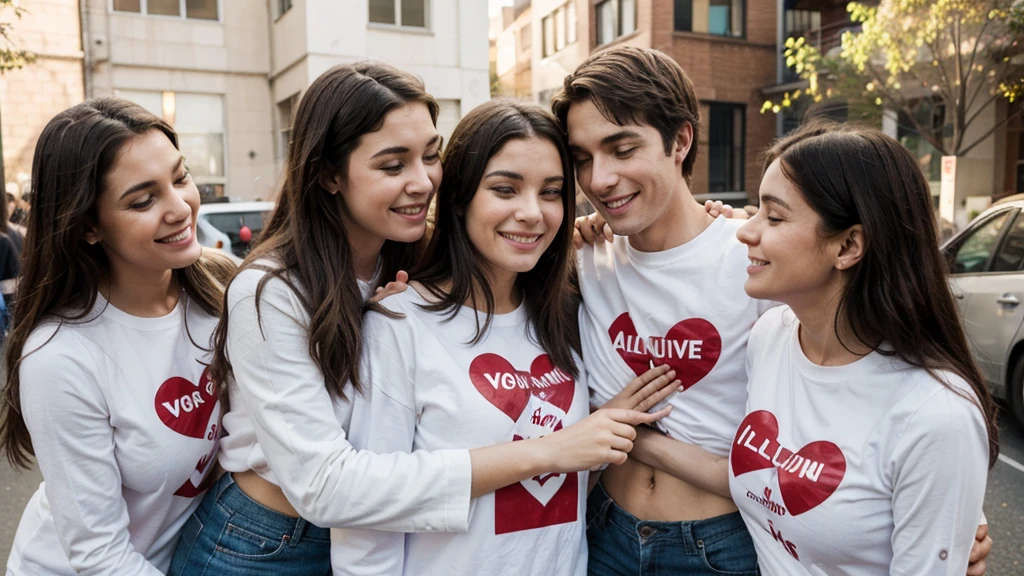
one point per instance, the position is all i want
(1004, 504)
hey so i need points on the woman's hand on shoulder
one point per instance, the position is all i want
(396, 286)
(716, 208)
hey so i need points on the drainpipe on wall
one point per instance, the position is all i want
(780, 61)
(86, 34)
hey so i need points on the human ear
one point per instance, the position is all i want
(852, 244)
(333, 183)
(684, 141)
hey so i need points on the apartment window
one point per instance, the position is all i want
(285, 118)
(615, 18)
(559, 28)
(412, 13)
(570, 22)
(548, 24)
(195, 9)
(283, 6)
(199, 121)
(717, 17)
(725, 147)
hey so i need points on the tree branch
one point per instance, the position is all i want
(995, 127)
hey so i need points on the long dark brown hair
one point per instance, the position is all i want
(61, 272)
(306, 238)
(550, 300)
(897, 299)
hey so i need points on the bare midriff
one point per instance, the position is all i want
(263, 492)
(650, 494)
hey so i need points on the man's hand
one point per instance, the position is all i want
(979, 551)
(590, 230)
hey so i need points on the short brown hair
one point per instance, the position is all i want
(630, 85)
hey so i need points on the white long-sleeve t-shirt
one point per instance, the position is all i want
(427, 387)
(124, 424)
(284, 425)
(869, 469)
(685, 307)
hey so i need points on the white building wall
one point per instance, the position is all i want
(229, 58)
(450, 54)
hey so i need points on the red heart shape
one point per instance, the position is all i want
(691, 348)
(509, 389)
(807, 477)
(185, 407)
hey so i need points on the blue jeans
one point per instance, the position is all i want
(231, 534)
(621, 544)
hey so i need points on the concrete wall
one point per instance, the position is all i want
(31, 96)
(230, 57)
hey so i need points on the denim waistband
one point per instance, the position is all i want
(687, 533)
(235, 502)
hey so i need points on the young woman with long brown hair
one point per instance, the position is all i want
(107, 383)
(362, 168)
(869, 429)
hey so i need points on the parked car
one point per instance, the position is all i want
(987, 278)
(219, 225)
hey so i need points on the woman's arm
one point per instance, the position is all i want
(689, 463)
(939, 472)
(330, 483)
(69, 421)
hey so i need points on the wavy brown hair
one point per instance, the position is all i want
(550, 300)
(306, 238)
(60, 270)
(897, 299)
(631, 85)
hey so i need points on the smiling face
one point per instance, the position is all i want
(392, 176)
(624, 170)
(518, 208)
(790, 261)
(146, 212)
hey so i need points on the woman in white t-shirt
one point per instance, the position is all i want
(363, 165)
(869, 430)
(107, 385)
(483, 350)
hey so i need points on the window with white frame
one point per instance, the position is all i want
(559, 28)
(615, 18)
(195, 9)
(199, 121)
(409, 13)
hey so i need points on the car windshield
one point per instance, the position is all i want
(231, 222)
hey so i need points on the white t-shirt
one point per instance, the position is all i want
(124, 424)
(866, 469)
(685, 307)
(284, 425)
(428, 388)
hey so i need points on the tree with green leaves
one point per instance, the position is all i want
(918, 57)
(11, 56)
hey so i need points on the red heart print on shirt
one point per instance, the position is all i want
(691, 348)
(537, 400)
(807, 477)
(187, 408)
